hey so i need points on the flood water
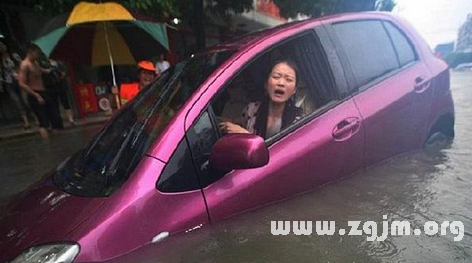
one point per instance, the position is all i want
(25, 160)
(433, 185)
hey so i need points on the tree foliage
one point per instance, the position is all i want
(45, 7)
(158, 9)
(193, 13)
(385, 5)
(184, 9)
(456, 58)
(316, 8)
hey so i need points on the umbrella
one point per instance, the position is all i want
(100, 34)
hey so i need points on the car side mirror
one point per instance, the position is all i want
(239, 151)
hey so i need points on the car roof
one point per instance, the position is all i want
(252, 38)
(249, 39)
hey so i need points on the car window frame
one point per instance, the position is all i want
(343, 54)
(338, 74)
(213, 120)
(354, 87)
(187, 140)
(195, 172)
(279, 136)
(408, 39)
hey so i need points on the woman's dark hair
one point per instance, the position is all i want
(290, 110)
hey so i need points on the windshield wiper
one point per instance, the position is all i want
(111, 170)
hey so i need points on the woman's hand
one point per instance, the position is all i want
(114, 90)
(229, 127)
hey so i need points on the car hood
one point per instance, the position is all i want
(41, 214)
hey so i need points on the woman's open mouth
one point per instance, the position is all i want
(279, 92)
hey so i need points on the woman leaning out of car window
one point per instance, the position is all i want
(277, 110)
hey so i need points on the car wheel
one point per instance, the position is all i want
(441, 134)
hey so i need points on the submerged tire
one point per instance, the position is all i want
(441, 134)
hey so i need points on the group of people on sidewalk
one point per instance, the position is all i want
(9, 63)
(44, 82)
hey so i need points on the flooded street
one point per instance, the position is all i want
(433, 185)
(25, 160)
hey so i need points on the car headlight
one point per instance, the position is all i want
(54, 253)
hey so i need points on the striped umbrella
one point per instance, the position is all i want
(102, 34)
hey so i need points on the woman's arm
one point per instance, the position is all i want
(247, 120)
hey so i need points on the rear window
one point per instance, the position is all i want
(368, 49)
(405, 51)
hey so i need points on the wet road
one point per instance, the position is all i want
(25, 160)
(422, 186)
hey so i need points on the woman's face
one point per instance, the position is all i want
(281, 83)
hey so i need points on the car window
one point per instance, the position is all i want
(315, 89)
(106, 163)
(243, 97)
(403, 47)
(202, 137)
(179, 174)
(189, 169)
(368, 49)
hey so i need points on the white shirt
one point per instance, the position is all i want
(161, 66)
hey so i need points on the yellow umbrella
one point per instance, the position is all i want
(119, 50)
(85, 12)
(108, 46)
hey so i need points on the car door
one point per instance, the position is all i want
(323, 146)
(391, 85)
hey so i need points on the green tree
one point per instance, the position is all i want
(156, 8)
(316, 8)
(192, 13)
(385, 5)
(196, 13)
(456, 58)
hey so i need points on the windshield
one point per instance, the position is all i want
(105, 164)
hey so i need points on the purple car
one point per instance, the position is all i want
(360, 88)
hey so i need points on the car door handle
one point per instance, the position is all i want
(346, 129)
(421, 84)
